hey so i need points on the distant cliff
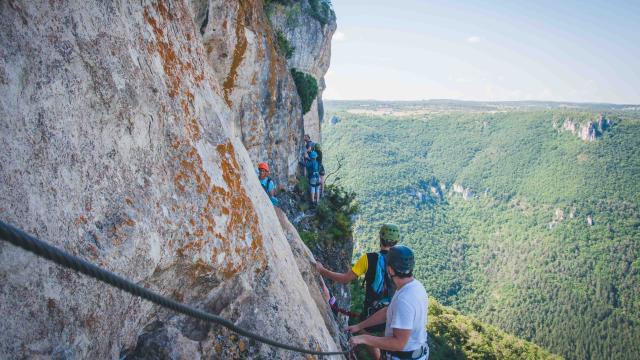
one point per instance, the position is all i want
(129, 133)
(586, 130)
(308, 28)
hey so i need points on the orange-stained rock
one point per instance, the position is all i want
(119, 145)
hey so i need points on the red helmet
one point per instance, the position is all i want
(263, 166)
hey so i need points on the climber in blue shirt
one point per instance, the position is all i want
(267, 184)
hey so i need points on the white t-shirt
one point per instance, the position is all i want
(408, 310)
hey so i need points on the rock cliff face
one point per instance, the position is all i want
(242, 49)
(312, 42)
(118, 134)
(254, 79)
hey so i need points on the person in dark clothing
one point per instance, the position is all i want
(308, 146)
(318, 149)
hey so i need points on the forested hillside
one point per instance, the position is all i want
(455, 336)
(516, 217)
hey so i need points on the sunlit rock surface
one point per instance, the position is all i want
(312, 55)
(117, 132)
(255, 81)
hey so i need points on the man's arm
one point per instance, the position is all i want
(338, 277)
(396, 342)
(378, 318)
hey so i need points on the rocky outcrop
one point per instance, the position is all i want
(118, 134)
(589, 220)
(305, 261)
(429, 192)
(586, 131)
(312, 43)
(241, 49)
(467, 194)
(558, 217)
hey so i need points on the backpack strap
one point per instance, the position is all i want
(265, 186)
(372, 263)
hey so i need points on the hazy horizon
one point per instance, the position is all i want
(484, 101)
(571, 51)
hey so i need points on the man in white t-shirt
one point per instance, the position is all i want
(405, 335)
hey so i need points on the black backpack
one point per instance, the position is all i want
(314, 178)
(375, 299)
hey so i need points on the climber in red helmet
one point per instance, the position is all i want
(267, 183)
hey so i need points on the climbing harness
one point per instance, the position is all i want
(378, 285)
(52, 253)
(420, 353)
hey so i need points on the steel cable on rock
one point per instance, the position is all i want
(19, 238)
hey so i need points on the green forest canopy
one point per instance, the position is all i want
(519, 253)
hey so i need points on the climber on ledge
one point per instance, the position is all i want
(405, 336)
(313, 176)
(308, 146)
(318, 149)
(378, 286)
(267, 184)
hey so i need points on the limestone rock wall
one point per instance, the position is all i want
(312, 55)
(118, 137)
(305, 260)
(255, 81)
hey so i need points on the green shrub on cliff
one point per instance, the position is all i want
(283, 2)
(284, 46)
(307, 87)
(321, 10)
(335, 212)
(332, 223)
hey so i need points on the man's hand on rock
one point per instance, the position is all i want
(354, 329)
(357, 340)
(319, 267)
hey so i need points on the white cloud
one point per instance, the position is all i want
(473, 39)
(338, 36)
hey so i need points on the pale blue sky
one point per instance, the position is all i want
(584, 51)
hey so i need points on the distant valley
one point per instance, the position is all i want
(525, 215)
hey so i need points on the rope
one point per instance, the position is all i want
(42, 249)
(348, 313)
